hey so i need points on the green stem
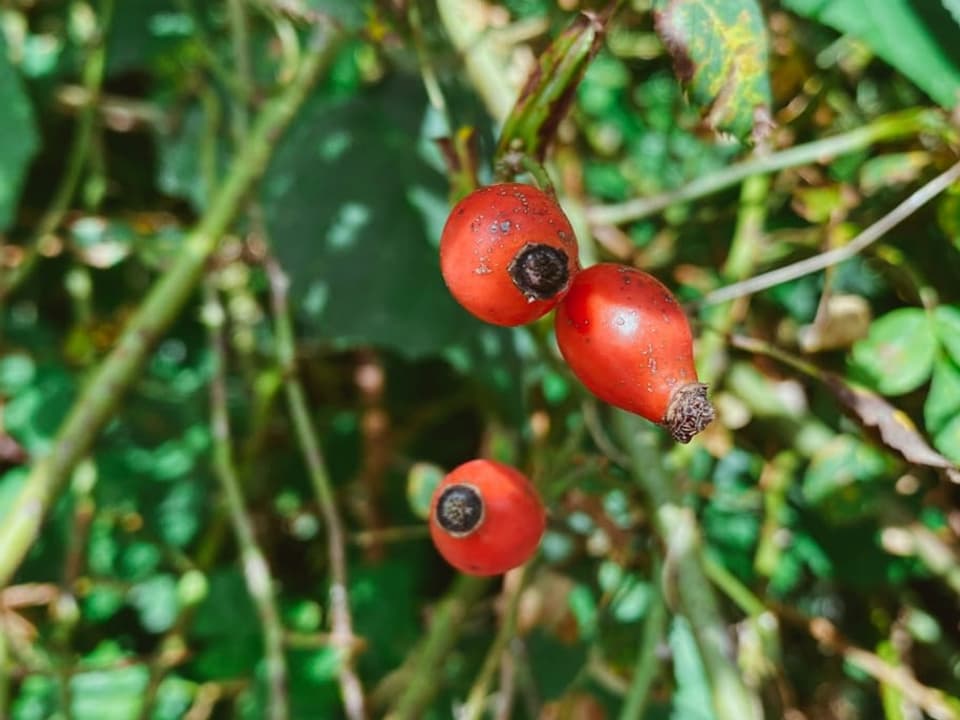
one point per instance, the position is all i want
(93, 72)
(647, 665)
(256, 571)
(340, 618)
(474, 707)
(741, 260)
(422, 671)
(101, 396)
(5, 665)
(678, 530)
(883, 129)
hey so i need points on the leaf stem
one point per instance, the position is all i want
(256, 571)
(101, 396)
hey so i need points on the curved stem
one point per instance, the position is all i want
(341, 621)
(101, 396)
(678, 530)
(256, 571)
(824, 260)
(883, 129)
(421, 671)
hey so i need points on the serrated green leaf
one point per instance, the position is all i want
(903, 33)
(18, 137)
(720, 52)
(897, 355)
(947, 319)
(943, 399)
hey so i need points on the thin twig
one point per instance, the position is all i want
(341, 621)
(935, 703)
(476, 699)
(818, 262)
(101, 396)
(256, 571)
(419, 674)
(883, 129)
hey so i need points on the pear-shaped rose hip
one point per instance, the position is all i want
(626, 338)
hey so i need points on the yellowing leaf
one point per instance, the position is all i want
(719, 50)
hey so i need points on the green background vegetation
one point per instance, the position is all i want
(230, 372)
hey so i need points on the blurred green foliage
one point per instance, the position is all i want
(134, 602)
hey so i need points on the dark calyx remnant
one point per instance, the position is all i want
(689, 412)
(460, 510)
(540, 271)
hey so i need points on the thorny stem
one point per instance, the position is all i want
(883, 129)
(256, 571)
(93, 72)
(100, 397)
(832, 257)
(340, 618)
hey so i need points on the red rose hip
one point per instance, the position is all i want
(626, 338)
(508, 253)
(486, 518)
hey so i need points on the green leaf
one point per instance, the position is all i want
(953, 7)
(719, 50)
(918, 39)
(37, 699)
(156, 601)
(18, 137)
(943, 399)
(692, 699)
(116, 694)
(551, 87)
(947, 319)
(342, 203)
(143, 32)
(947, 440)
(422, 480)
(840, 478)
(897, 355)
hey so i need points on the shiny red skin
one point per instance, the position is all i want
(484, 233)
(513, 522)
(626, 338)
